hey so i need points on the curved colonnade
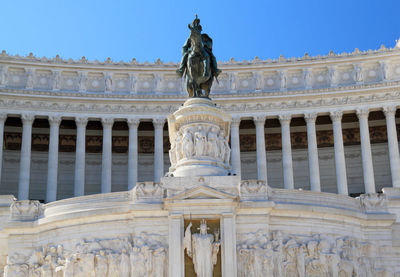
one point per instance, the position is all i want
(283, 89)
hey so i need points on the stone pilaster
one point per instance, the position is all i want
(228, 245)
(176, 254)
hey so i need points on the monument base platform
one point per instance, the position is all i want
(263, 231)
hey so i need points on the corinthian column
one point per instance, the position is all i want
(368, 168)
(133, 124)
(25, 159)
(393, 144)
(259, 121)
(158, 148)
(313, 164)
(286, 152)
(106, 164)
(340, 163)
(79, 178)
(235, 146)
(52, 167)
(3, 117)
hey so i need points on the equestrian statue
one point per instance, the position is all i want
(198, 62)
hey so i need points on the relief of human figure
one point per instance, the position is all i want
(84, 265)
(301, 252)
(200, 142)
(68, 269)
(268, 261)
(227, 152)
(213, 149)
(277, 243)
(16, 270)
(203, 249)
(138, 262)
(221, 145)
(101, 264)
(187, 144)
(114, 265)
(290, 263)
(125, 264)
(159, 262)
(178, 146)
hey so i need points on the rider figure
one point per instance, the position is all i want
(207, 46)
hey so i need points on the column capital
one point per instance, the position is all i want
(27, 118)
(362, 113)
(285, 118)
(81, 121)
(55, 119)
(235, 121)
(133, 122)
(158, 122)
(310, 117)
(259, 120)
(3, 116)
(389, 110)
(107, 121)
(336, 115)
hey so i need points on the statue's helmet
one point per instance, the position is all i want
(196, 24)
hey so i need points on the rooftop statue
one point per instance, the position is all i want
(198, 63)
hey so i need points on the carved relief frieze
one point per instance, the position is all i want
(277, 254)
(144, 255)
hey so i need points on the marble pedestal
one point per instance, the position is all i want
(199, 133)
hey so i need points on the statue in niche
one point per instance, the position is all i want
(203, 248)
(108, 83)
(3, 76)
(198, 62)
(359, 74)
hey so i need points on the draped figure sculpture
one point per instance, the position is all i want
(203, 249)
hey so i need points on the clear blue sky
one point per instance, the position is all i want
(148, 29)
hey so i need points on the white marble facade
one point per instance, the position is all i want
(280, 212)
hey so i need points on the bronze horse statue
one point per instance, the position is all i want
(198, 66)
